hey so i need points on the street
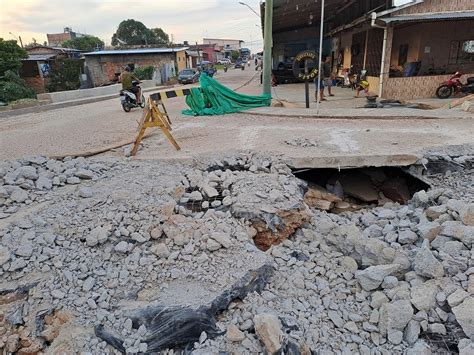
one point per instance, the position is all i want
(338, 142)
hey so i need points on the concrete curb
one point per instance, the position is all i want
(382, 116)
(49, 107)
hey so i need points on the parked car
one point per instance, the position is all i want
(188, 76)
(225, 61)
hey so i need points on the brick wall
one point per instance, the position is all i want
(102, 69)
(415, 87)
(37, 84)
(56, 39)
(438, 6)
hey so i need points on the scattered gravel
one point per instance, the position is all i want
(87, 244)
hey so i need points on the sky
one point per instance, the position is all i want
(186, 20)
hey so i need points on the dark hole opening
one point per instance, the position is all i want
(350, 189)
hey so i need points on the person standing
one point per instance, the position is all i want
(327, 76)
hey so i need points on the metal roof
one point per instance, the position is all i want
(138, 51)
(459, 15)
(294, 14)
(36, 57)
(192, 53)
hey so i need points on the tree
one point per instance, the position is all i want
(84, 43)
(160, 36)
(65, 75)
(133, 32)
(11, 55)
(235, 55)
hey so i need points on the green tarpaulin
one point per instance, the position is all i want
(213, 98)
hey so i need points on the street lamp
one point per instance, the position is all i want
(251, 9)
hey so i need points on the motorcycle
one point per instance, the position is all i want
(455, 86)
(129, 100)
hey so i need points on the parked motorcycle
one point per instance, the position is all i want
(129, 100)
(455, 86)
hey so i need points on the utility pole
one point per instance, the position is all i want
(267, 47)
(321, 37)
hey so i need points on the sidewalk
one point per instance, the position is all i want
(361, 113)
(55, 106)
(343, 105)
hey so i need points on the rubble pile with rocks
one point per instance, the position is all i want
(30, 179)
(227, 256)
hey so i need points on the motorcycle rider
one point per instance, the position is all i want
(126, 79)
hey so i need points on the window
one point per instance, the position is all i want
(461, 52)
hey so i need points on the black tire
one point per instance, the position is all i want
(126, 107)
(444, 91)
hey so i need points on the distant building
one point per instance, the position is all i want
(245, 52)
(41, 59)
(234, 44)
(56, 39)
(228, 45)
(105, 66)
(207, 52)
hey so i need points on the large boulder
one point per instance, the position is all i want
(372, 277)
(459, 231)
(427, 265)
(465, 316)
(395, 316)
(268, 329)
(423, 296)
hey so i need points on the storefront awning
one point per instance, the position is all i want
(461, 15)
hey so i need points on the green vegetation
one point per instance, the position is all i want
(144, 73)
(11, 55)
(133, 32)
(12, 87)
(84, 43)
(65, 75)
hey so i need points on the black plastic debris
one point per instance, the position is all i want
(109, 338)
(181, 327)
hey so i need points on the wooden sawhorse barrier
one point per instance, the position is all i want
(154, 117)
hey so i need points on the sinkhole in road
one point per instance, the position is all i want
(351, 189)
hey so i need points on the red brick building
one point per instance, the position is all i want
(57, 39)
(41, 59)
(105, 66)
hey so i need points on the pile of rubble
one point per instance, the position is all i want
(302, 142)
(227, 256)
(28, 180)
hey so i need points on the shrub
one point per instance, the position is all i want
(144, 73)
(12, 88)
(65, 75)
